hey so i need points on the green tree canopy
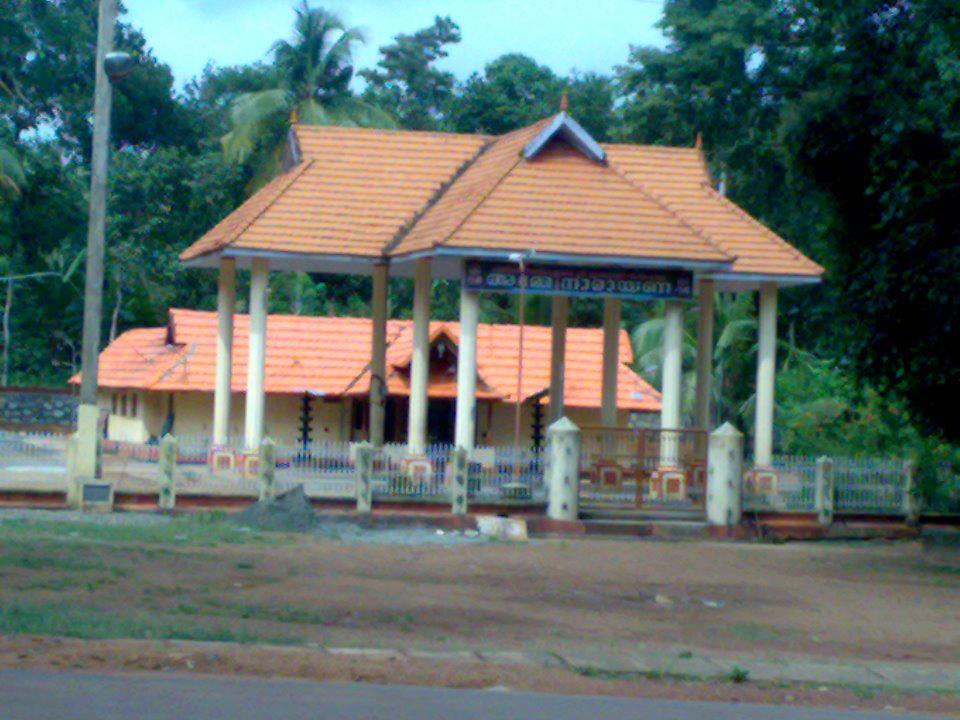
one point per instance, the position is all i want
(407, 82)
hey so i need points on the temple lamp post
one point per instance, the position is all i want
(110, 67)
(520, 259)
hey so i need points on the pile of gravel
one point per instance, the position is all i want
(288, 512)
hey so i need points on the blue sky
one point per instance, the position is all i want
(588, 35)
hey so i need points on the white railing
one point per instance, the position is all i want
(861, 485)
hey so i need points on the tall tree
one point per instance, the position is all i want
(406, 80)
(314, 71)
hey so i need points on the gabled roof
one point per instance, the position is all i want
(549, 187)
(330, 356)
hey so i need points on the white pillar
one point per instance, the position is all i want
(724, 471)
(420, 363)
(672, 378)
(378, 357)
(226, 304)
(559, 314)
(256, 364)
(563, 470)
(704, 354)
(466, 421)
(766, 376)
(611, 361)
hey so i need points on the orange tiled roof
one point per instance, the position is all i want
(375, 193)
(330, 355)
(351, 193)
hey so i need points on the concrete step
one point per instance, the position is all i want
(645, 515)
(669, 529)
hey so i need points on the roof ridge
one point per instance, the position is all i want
(798, 254)
(492, 189)
(392, 131)
(642, 188)
(456, 176)
(407, 227)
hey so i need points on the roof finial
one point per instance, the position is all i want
(698, 143)
(293, 116)
(563, 101)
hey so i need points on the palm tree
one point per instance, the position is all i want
(734, 357)
(314, 71)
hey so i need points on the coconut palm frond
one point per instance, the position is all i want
(249, 113)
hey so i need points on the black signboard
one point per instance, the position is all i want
(624, 283)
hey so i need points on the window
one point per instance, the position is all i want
(113, 404)
(123, 404)
(133, 404)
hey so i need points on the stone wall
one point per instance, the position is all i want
(37, 408)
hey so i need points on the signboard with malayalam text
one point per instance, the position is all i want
(626, 283)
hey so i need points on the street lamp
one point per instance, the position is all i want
(110, 67)
(520, 259)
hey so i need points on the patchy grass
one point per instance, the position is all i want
(198, 529)
(71, 621)
(759, 633)
(245, 611)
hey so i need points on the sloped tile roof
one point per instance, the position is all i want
(352, 192)
(374, 193)
(679, 178)
(330, 355)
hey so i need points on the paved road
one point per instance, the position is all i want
(40, 695)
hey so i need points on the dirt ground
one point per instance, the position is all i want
(295, 662)
(879, 601)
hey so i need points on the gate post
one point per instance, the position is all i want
(266, 468)
(168, 464)
(724, 476)
(823, 500)
(458, 481)
(563, 470)
(911, 509)
(364, 465)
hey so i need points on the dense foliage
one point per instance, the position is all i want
(834, 123)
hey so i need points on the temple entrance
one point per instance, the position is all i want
(441, 419)
(643, 468)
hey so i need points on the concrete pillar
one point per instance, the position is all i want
(611, 361)
(364, 470)
(420, 364)
(559, 314)
(267, 468)
(766, 376)
(704, 355)
(256, 364)
(466, 420)
(823, 493)
(167, 466)
(378, 361)
(672, 382)
(724, 476)
(911, 502)
(459, 481)
(226, 304)
(563, 470)
(85, 455)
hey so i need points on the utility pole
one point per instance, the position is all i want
(110, 66)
